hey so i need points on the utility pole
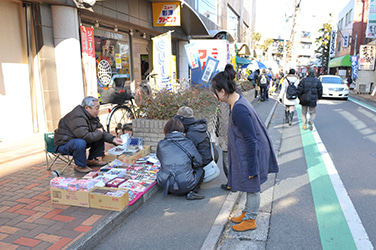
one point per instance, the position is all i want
(296, 8)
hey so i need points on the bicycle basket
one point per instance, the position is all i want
(114, 95)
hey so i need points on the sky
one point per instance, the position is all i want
(271, 21)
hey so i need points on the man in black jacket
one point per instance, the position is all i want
(309, 91)
(81, 129)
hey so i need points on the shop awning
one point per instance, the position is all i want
(242, 61)
(343, 61)
(243, 49)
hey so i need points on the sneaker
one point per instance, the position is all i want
(304, 127)
(310, 125)
(194, 196)
(82, 170)
(96, 162)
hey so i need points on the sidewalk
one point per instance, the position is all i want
(27, 216)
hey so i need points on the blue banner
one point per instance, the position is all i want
(354, 66)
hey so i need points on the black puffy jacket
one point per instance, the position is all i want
(178, 173)
(311, 86)
(196, 131)
(79, 124)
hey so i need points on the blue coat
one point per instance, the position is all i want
(250, 149)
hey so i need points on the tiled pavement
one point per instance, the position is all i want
(28, 219)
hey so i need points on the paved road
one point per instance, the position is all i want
(173, 222)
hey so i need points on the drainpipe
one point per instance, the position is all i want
(29, 37)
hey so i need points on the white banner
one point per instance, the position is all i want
(367, 57)
(162, 54)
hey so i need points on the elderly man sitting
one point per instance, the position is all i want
(81, 129)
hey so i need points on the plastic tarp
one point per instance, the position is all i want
(242, 61)
(343, 61)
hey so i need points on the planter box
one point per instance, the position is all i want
(151, 131)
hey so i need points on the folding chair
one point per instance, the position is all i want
(52, 156)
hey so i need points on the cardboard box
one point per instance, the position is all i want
(133, 158)
(98, 199)
(68, 197)
(146, 151)
(109, 158)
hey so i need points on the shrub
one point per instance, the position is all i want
(245, 85)
(163, 105)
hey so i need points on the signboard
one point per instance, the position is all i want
(367, 57)
(354, 66)
(88, 60)
(345, 42)
(371, 24)
(193, 62)
(217, 49)
(166, 14)
(332, 47)
(210, 68)
(162, 59)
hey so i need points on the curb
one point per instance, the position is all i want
(91, 239)
(215, 233)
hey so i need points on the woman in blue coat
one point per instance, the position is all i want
(250, 152)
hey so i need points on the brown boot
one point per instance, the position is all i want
(245, 225)
(239, 218)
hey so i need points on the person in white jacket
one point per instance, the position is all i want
(289, 103)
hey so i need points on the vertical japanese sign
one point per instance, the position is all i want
(162, 59)
(332, 48)
(210, 68)
(367, 57)
(88, 59)
(354, 66)
(166, 14)
(193, 62)
(371, 24)
(345, 41)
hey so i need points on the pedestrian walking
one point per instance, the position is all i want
(263, 83)
(253, 77)
(309, 92)
(250, 153)
(286, 97)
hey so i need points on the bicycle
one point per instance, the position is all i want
(121, 115)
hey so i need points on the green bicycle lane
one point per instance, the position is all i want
(338, 222)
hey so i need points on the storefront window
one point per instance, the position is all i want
(112, 52)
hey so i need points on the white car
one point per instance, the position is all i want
(334, 87)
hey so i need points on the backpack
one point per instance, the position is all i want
(263, 80)
(291, 92)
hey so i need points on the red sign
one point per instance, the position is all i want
(88, 58)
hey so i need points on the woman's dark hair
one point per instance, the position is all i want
(292, 72)
(224, 80)
(173, 125)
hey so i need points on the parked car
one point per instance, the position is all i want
(334, 87)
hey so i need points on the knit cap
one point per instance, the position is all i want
(186, 112)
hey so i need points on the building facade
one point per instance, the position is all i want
(43, 70)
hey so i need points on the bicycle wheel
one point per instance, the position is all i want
(119, 120)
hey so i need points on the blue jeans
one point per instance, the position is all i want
(77, 149)
(252, 205)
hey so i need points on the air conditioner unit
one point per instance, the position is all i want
(361, 88)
